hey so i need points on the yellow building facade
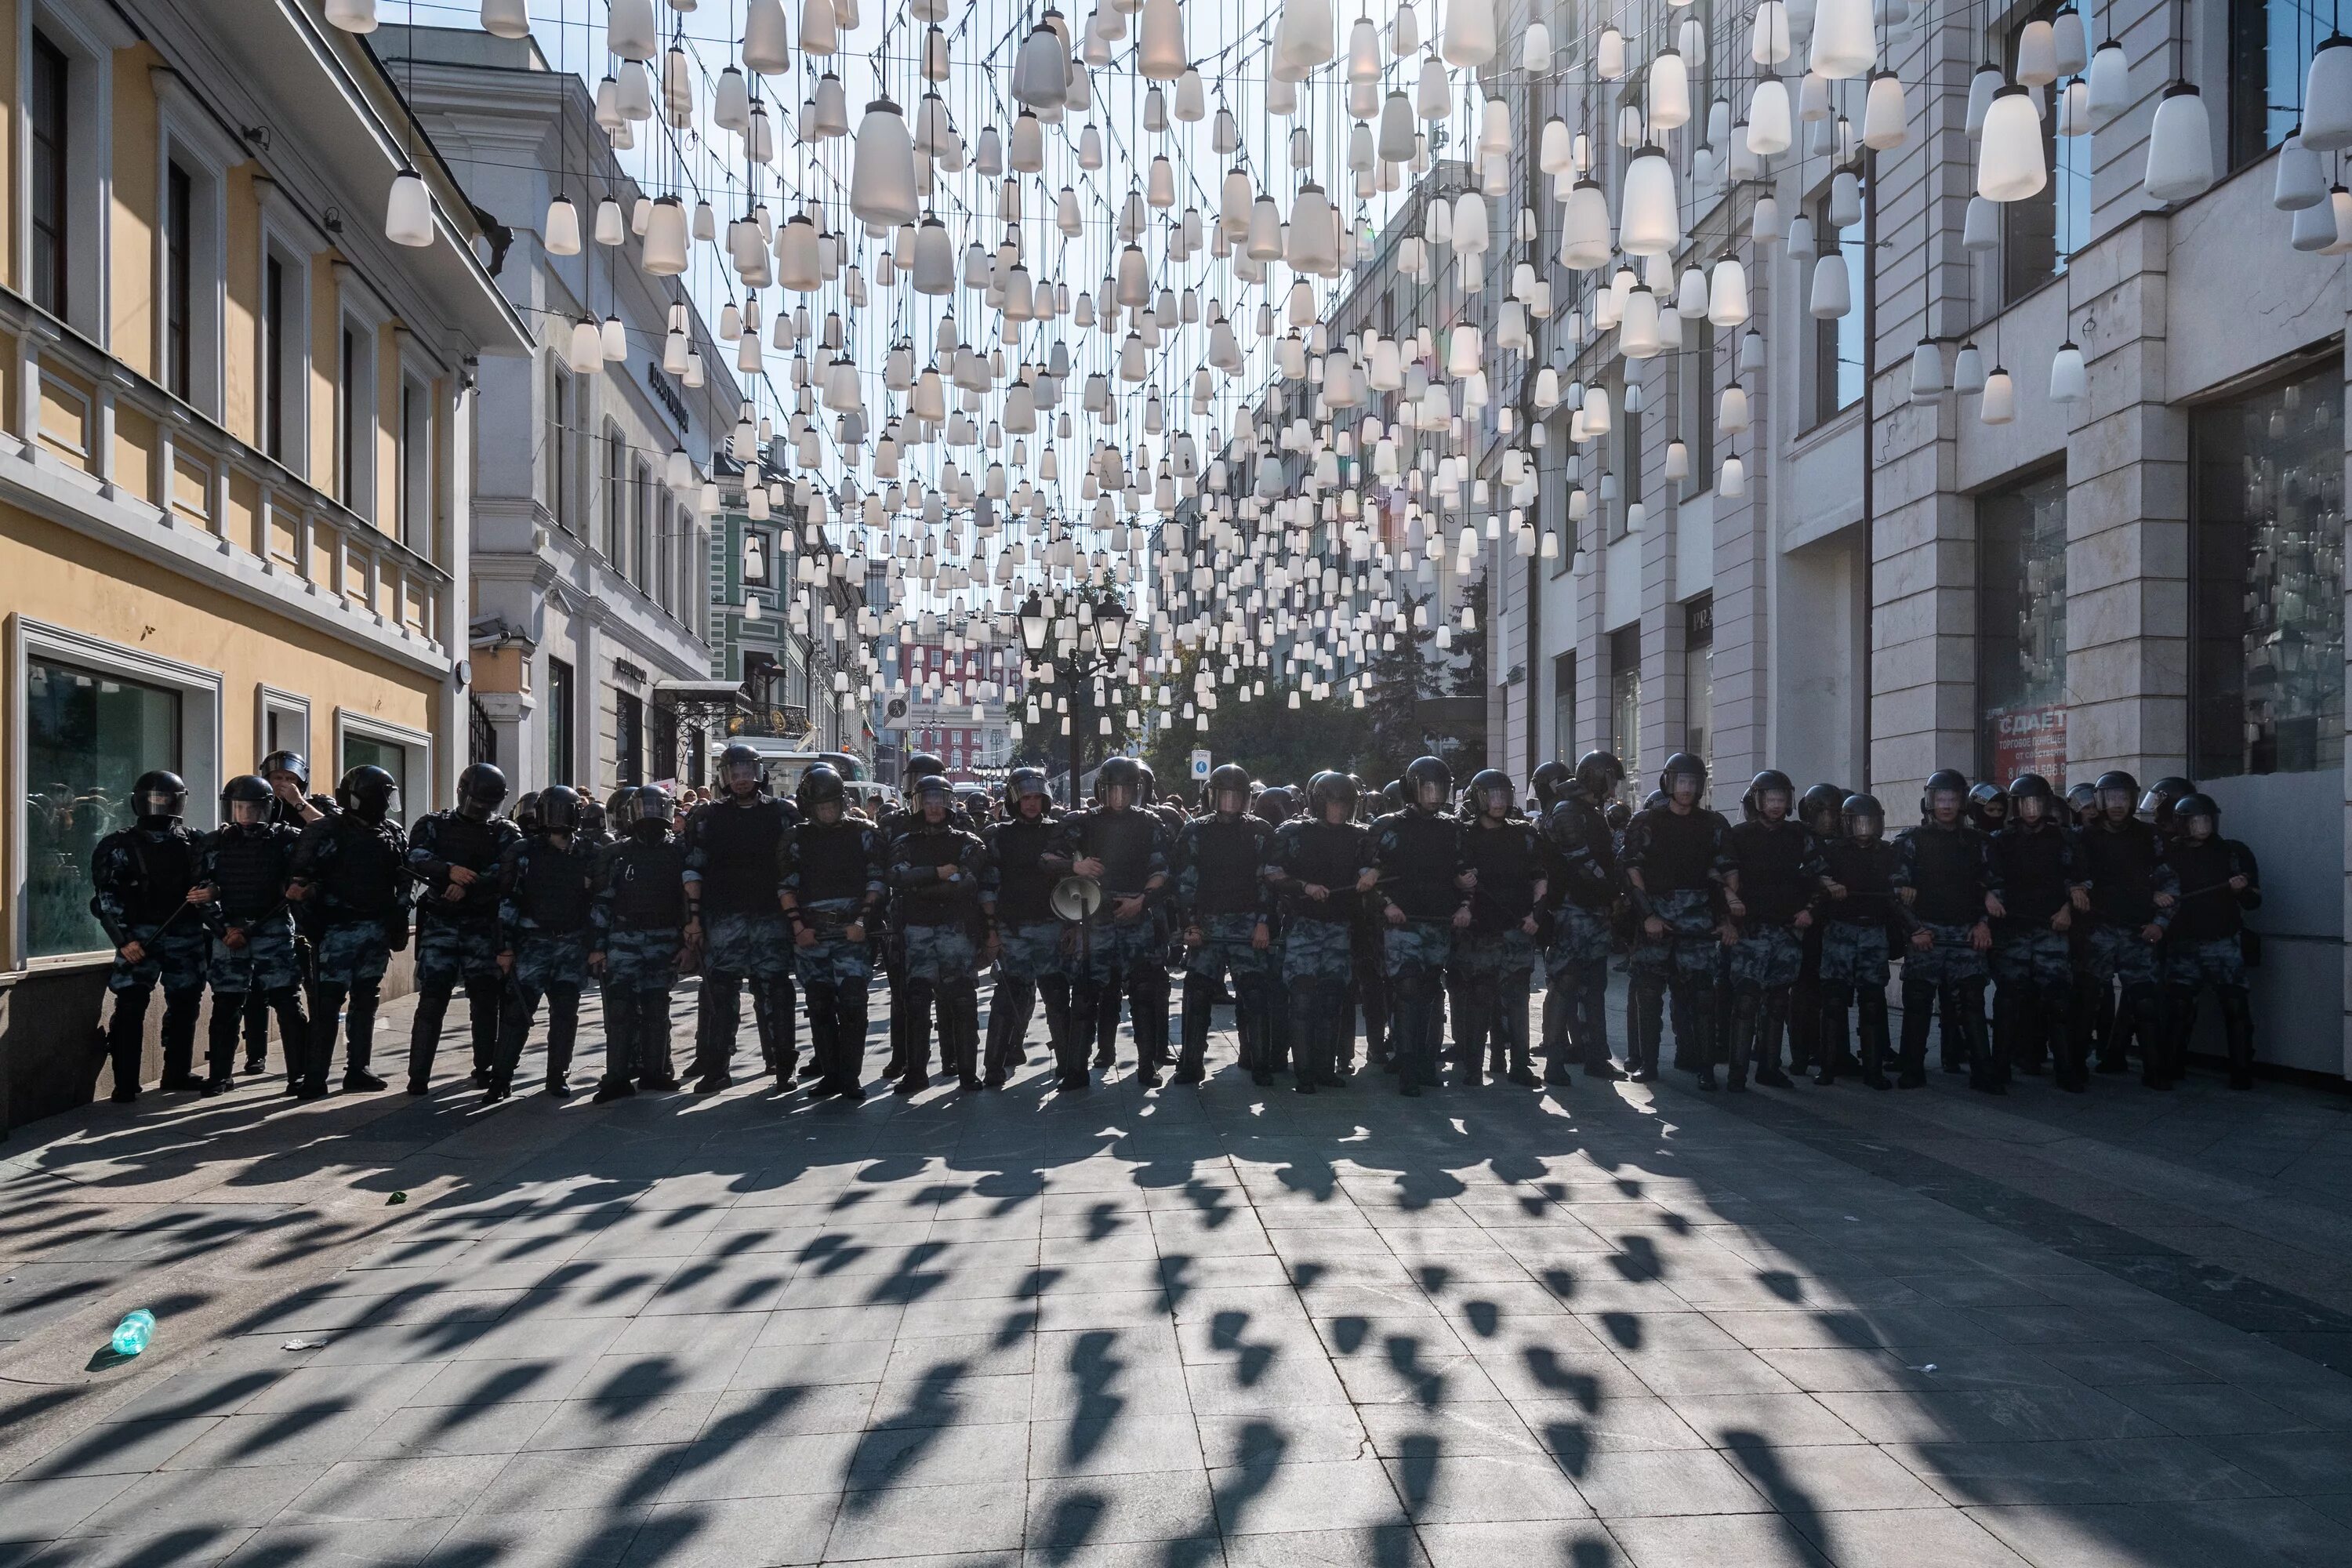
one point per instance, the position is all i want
(234, 448)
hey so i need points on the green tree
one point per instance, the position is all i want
(1398, 680)
(1278, 744)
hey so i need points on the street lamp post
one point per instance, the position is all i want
(1044, 645)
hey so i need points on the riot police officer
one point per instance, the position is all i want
(1504, 854)
(288, 774)
(351, 875)
(147, 898)
(1674, 859)
(831, 889)
(1424, 883)
(1024, 940)
(1225, 910)
(919, 766)
(936, 867)
(2219, 881)
(1775, 873)
(1864, 916)
(1322, 865)
(456, 854)
(2031, 901)
(246, 862)
(2127, 892)
(1123, 847)
(1942, 876)
(1583, 887)
(638, 918)
(1822, 809)
(731, 849)
(545, 886)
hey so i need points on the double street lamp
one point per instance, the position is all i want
(1056, 633)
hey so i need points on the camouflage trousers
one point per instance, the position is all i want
(757, 946)
(1229, 947)
(553, 965)
(451, 951)
(177, 960)
(2033, 956)
(1952, 961)
(1108, 949)
(940, 953)
(2117, 953)
(2218, 962)
(1031, 950)
(1766, 958)
(1854, 954)
(1579, 936)
(544, 960)
(834, 959)
(1418, 949)
(1689, 952)
(642, 960)
(1490, 956)
(355, 953)
(266, 962)
(1316, 949)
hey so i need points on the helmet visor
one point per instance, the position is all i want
(1119, 796)
(740, 773)
(2030, 808)
(1684, 789)
(1945, 804)
(249, 813)
(1865, 824)
(1428, 792)
(1233, 802)
(2116, 802)
(1773, 804)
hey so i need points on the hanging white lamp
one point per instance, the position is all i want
(882, 170)
(664, 246)
(2327, 96)
(1771, 131)
(1927, 371)
(1999, 402)
(2179, 147)
(352, 16)
(2069, 378)
(1649, 219)
(2111, 84)
(1159, 41)
(2302, 179)
(1469, 36)
(1844, 41)
(561, 234)
(765, 46)
(506, 18)
(408, 211)
(2009, 155)
(1886, 118)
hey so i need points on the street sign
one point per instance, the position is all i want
(1200, 766)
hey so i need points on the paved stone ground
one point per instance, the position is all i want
(1603, 1326)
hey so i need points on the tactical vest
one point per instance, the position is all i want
(1228, 866)
(1330, 855)
(1680, 855)
(833, 860)
(2121, 862)
(1417, 870)
(248, 867)
(1025, 889)
(2209, 907)
(554, 890)
(648, 885)
(1948, 875)
(1588, 882)
(1867, 872)
(1122, 840)
(163, 869)
(1770, 859)
(739, 845)
(363, 879)
(2029, 866)
(1509, 863)
(477, 846)
(933, 902)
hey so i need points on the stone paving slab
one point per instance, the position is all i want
(1227, 1326)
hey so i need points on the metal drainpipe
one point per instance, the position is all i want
(1869, 419)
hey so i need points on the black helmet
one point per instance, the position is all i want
(1989, 804)
(1600, 773)
(1426, 776)
(1121, 773)
(921, 765)
(481, 790)
(1229, 778)
(1682, 764)
(636, 803)
(283, 762)
(369, 793)
(526, 811)
(592, 814)
(1325, 789)
(1863, 808)
(1821, 806)
(1655, 800)
(1550, 782)
(922, 788)
(1618, 814)
(2031, 787)
(2163, 797)
(2082, 797)
(2194, 804)
(1393, 795)
(1941, 781)
(1770, 781)
(2116, 785)
(1485, 785)
(160, 792)
(1021, 783)
(739, 755)
(1276, 803)
(558, 809)
(821, 785)
(246, 789)
(1145, 792)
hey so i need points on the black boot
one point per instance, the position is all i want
(1054, 990)
(179, 1010)
(622, 1015)
(2147, 1009)
(228, 1011)
(1645, 1017)
(1747, 1019)
(2238, 1036)
(1918, 1003)
(424, 1034)
(717, 1016)
(1872, 1030)
(1199, 1001)
(1830, 1040)
(824, 1044)
(318, 1053)
(485, 1002)
(1702, 1016)
(126, 1042)
(916, 1075)
(1768, 1040)
(358, 1033)
(959, 1032)
(1009, 1011)
(1987, 1062)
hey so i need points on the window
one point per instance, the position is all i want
(632, 561)
(1563, 706)
(615, 493)
(88, 736)
(354, 411)
(629, 738)
(280, 345)
(665, 578)
(1698, 420)
(51, 74)
(559, 721)
(1837, 339)
(416, 498)
(559, 446)
(2271, 46)
(2039, 234)
(179, 281)
(2021, 630)
(2266, 564)
(361, 751)
(1625, 698)
(1698, 677)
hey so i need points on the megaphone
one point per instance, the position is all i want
(1076, 899)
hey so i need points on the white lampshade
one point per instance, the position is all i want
(2327, 97)
(2068, 380)
(765, 46)
(820, 27)
(1649, 219)
(1159, 41)
(1927, 371)
(1731, 412)
(2111, 85)
(507, 18)
(1767, 35)
(1363, 51)
(408, 211)
(560, 235)
(1833, 292)
(629, 30)
(1469, 35)
(2313, 232)
(1998, 404)
(352, 16)
(1727, 293)
(1041, 77)
(584, 351)
(2179, 147)
(1770, 131)
(2301, 180)
(665, 252)
(2009, 155)
(2070, 44)
(2037, 54)
(882, 173)
(1668, 91)
(1844, 41)
(1733, 482)
(1535, 48)
(1967, 370)
(1885, 118)
(1584, 227)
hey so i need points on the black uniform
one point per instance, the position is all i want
(1317, 954)
(1581, 887)
(1858, 931)
(306, 937)
(833, 872)
(1419, 854)
(357, 909)
(2125, 865)
(1498, 953)
(2034, 872)
(1122, 957)
(457, 939)
(732, 851)
(639, 914)
(2205, 946)
(1022, 911)
(1779, 867)
(546, 885)
(936, 869)
(1680, 857)
(1220, 891)
(142, 875)
(1945, 872)
(248, 867)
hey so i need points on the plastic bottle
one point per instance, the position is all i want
(131, 1334)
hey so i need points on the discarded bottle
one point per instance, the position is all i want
(131, 1334)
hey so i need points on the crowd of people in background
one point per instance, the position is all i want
(1404, 918)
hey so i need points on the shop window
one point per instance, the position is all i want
(1563, 707)
(629, 738)
(363, 750)
(88, 737)
(560, 757)
(1698, 677)
(2266, 559)
(2021, 630)
(1625, 699)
